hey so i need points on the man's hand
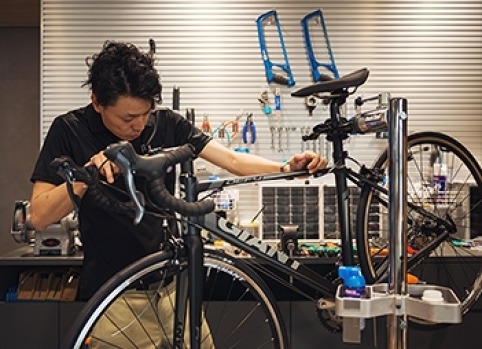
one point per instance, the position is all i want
(307, 160)
(106, 167)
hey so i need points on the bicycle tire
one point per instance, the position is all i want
(240, 313)
(454, 258)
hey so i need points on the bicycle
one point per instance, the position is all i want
(228, 292)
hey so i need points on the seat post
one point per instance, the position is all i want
(343, 203)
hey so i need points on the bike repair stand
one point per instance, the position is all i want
(397, 300)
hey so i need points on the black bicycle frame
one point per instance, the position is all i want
(339, 155)
(237, 237)
(190, 188)
(213, 222)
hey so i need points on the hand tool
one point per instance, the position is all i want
(277, 102)
(249, 128)
(264, 100)
(176, 97)
(222, 130)
(191, 115)
(286, 78)
(206, 126)
(152, 48)
(288, 132)
(234, 126)
(314, 64)
(280, 138)
(272, 129)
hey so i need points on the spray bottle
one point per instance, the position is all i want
(440, 177)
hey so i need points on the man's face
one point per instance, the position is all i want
(126, 118)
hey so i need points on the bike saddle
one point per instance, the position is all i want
(353, 79)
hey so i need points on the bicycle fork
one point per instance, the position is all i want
(189, 289)
(190, 282)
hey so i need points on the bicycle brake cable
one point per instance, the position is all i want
(70, 179)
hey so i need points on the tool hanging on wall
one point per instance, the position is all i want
(176, 98)
(234, 129)
(223, 130)
(191, 115)
(249, 130)
(286, 76)
(280, 139)
(206, 126)
(317, 17)
(152, 48)
(289, 131)
(234, 126)
(264, 100)
(272, 129)
(277, 102)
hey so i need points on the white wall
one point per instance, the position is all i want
(427, 51)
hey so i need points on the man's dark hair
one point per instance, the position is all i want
(120, 69)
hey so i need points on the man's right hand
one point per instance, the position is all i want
(105, 167)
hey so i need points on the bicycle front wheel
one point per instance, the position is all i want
(135, 309)
(439, 214)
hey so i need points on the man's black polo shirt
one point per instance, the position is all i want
(110, 241)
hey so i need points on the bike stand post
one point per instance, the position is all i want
(396, 299)
(397, 210)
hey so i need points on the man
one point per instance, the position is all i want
(125, 88)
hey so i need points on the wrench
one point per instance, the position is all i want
(272, 129)
(280, 134)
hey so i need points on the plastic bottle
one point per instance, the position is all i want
(440, 178)
(353, 284)
(353, 281)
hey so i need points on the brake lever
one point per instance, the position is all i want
(135, 196)
(63, 167)
(123, 155)
(70, 178)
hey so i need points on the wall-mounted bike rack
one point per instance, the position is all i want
(396, 299)
(317, 17)
(285, 77)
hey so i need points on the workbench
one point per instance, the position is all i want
(42, 324)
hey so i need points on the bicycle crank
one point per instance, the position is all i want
(325, 308)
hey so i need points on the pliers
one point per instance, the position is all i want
(206, 126)
(249, 128)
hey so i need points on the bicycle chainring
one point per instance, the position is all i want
(327, 316)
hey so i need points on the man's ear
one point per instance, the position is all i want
(95, 103)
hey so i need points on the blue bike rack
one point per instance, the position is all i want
(271, 17)
(314, 64)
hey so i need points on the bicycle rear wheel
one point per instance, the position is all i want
(135, 309)
(439, 219)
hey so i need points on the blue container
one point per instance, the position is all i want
(353, 281)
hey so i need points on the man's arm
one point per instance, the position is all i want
(50, 203)
(249, 164)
